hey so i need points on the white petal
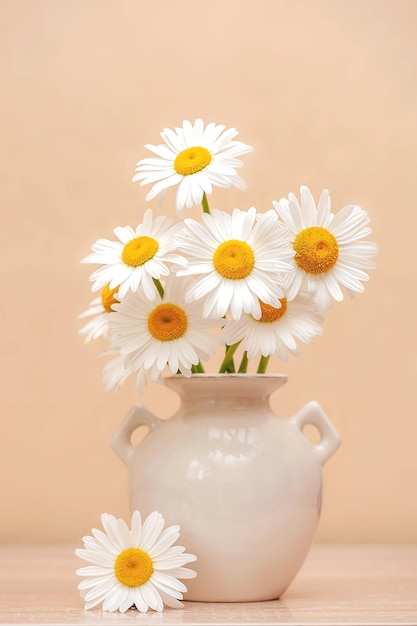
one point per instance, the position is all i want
(166, 539)
(153, 525)
(152, 597)
(136, 529)
(139, 600)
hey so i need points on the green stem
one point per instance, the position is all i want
(197, 369)
(228, 365)
(204, 203)
(263, 363)
(243, 367)
(159, 287)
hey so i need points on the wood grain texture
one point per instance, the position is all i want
(337, 585)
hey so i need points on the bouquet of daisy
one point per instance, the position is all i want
(171, 291)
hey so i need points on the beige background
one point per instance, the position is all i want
(325, 91)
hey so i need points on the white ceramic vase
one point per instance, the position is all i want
(244, 484)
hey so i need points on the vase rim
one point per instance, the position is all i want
(245, 385)
(227, 376)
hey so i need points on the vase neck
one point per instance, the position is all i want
(225, 389)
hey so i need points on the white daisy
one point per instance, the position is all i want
(195, 158)
(99, 308)
(138, 257)
(169, 331)
(277, 330)
(242, 257)
(137, 567)
(328, 251)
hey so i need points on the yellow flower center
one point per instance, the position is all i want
(167, 322)
(192, 160)
(133, 567)
(234, 259)
(270, 313)
(316, 250)
(139, 250)
(107, 298)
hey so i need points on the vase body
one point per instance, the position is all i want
(244, 485)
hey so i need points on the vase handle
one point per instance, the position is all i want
(312, 413)
(137, 416)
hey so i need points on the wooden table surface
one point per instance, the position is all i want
(337, 585)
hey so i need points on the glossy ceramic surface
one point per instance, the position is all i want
(244, 484)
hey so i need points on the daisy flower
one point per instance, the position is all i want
(241, 257)
(99, 309)
(328, 251)
(277, 330)
(138, 257)
(169, 331)
(137, 567)
(195, 158)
